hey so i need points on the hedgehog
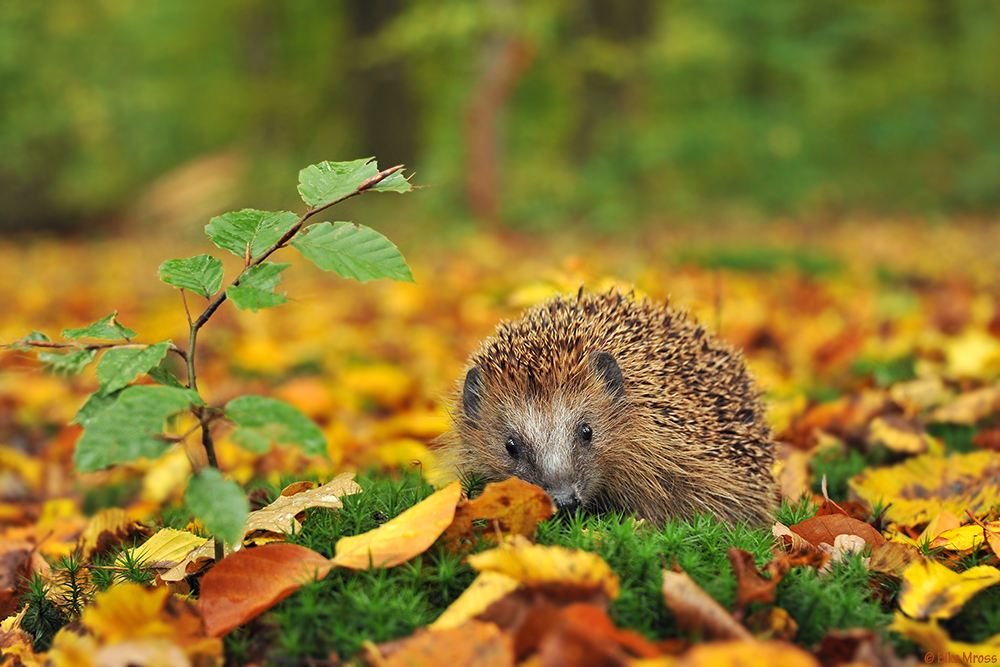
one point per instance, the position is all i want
(613, 403)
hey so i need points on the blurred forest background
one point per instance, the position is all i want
(529, 112)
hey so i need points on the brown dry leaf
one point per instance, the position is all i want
(280, 516)
(696, 612)
(968, 408)
(791, 541)
(988, 438)
(893, 558)
(245, 583)
(747, 654)
(107, 529)
(402, 538)
(751, 585)
(537, 565)
(898, 434)
(931, 590)
(486, 589)
(921, 486)
(473, 644)
(15, 565)
(825, 529)
(512, 507)
(17, 644)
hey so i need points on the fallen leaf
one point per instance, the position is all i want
(472, 644)
(965, 539)
(107, 529)
(792, 541)
(512, 507)
(250, 581)
(486, 589)
(921, 486)
(893, 558)
(400, 539)
(165, 549)
(931, 590)
(696, 612)
(933, 638)
(772, 623)
(280, 515)
(942, 522)
(825, 529)
(582, 634)
(751, 585)
(746, 653)
(537, 565)
(898, 434)
(968, 408)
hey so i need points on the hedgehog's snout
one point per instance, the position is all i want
(566, 498)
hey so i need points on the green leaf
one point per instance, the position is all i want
(201, 274)
(162, 376)
(127, 429)
(260, 418)
(119, 366)
(256, 288)
(96, 402)
(352, 251)
(106, 328)
(219, 503)
(326, 182)
(23, 343)
(261, 229)
(71, 363)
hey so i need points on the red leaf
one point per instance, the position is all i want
(245, 583)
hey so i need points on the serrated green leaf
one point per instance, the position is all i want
(261, 229)
(352, 251)
(119, 366)
(105, 328)
(162, 376)
(268, 418)
(219, 503)
(326, 182)
(96, 402)
(393, 183)
(70, 363)
(127, 428)
(201, 274)
(256, 288)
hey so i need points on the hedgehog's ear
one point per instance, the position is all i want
(607, 370)
(472, 392)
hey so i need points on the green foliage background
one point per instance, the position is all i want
(628, 110)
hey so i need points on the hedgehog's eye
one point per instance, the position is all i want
(586, 433)
(513, 448)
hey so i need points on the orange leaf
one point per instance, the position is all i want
(474, 643)
(397, 541)
(747, 654)
(826, 529)
(245, 583)
(512, 506)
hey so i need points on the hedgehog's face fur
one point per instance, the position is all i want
(553, 438)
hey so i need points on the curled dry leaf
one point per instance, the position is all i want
(400, 539)
(697, 612)
(245, 583)
(537, 565)
(751, 585)
(511, 507)
(280, 516)
(931, 590)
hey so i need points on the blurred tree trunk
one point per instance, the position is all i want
(385, 111)
(505, 60)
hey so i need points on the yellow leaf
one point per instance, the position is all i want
(968, 408)
(921, 486)
(976, 354)
(898, 434)
(167, 476)
(401, 452)
(385, 384)
(965, 539)
(107, 529)
(935, 640)
(747, 654)
(164, 549)
(127, 611)
(402, 538)
(487, 588)
(931, 590)
(536, 565)
(28, 468)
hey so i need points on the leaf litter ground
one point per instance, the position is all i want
(881, 363)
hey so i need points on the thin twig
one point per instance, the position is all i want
(186, 311)
(97, 346)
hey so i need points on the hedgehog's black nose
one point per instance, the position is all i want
(566, 500)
